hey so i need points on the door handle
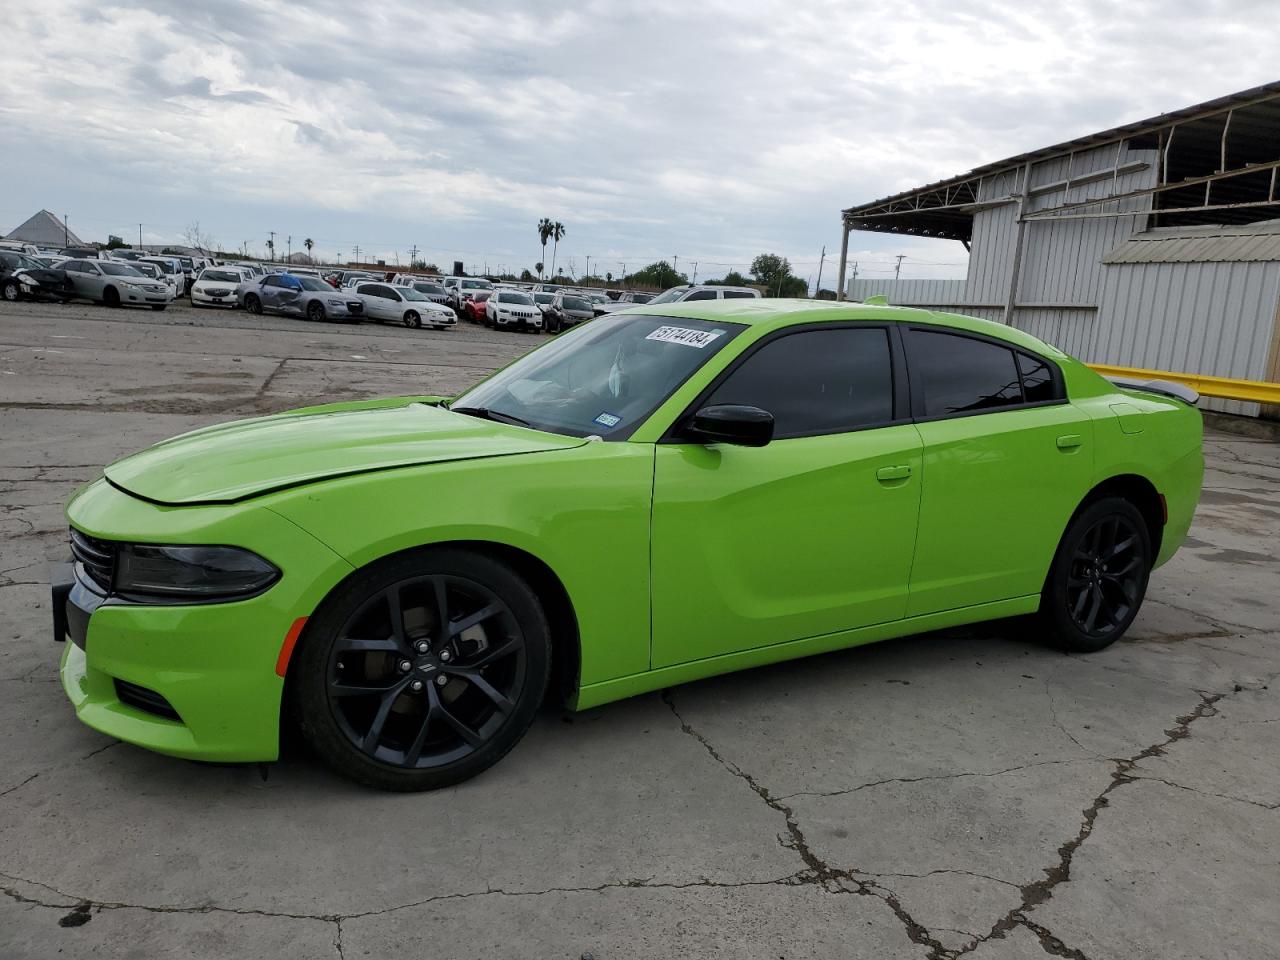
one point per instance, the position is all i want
(889, 474)
(1069, 441)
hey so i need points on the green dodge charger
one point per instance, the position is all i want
(655, 496)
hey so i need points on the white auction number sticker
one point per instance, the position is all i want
(684, 336)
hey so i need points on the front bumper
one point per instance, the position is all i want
(532, 323)
(212, 665)
(205, 299)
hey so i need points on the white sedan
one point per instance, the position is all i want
(385, 303)
(216, 287)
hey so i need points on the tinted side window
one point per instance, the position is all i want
(271, 282)
(817, 381)
(737, 294)
(962, 375)
(1037, 379)
(701, 295)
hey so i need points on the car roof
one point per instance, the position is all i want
(777, 313)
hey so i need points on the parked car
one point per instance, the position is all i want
(431, 289)
(20, 246)
(566, 310)
(126, 254)
(625, 301)
(308, 297)
(387, 303)
(114, 283)
(543, 299)
(765, 486)
(216, 287)
(473, 305)
(689, 292)
(512, 308)
(80, 253)
(23, 277)
(464, 288)
(172, 271)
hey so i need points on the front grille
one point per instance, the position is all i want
(355, 306)
(218, 293)
(97, 557)
(148, 701)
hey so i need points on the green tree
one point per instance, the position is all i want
(545, 229)
(731, 279)
(538, 266)
(608, 278)
(114, 242)
(526, 276)
(308, 243)
(660, 274)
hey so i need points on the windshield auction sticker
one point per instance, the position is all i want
(684, 336)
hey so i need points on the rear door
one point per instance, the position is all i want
(811, 534)
(1006, 462)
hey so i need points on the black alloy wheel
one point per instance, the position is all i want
(315, 311)
(1099, 576)
(422, 670)
(252, 304)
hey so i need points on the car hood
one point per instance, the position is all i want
(247, 458)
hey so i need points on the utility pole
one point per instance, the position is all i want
(587, 275)
(676, 264)
(66, 232)
(695, 271)
(413, 255)
(818, 286)
(289, 259)
(622, 277)
(272, 244)
(139, 236)
(897, 267)
(357, 255)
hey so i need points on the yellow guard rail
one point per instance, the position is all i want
(1225, 388)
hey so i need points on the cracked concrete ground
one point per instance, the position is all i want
(954, 794)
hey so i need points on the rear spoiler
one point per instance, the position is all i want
(1165, 388)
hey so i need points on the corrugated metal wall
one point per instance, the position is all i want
(910, 293)
(1211, 318)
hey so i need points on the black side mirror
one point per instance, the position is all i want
(731, 423)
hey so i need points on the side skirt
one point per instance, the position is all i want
(592, 695)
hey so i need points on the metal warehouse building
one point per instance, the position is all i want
(1152, 245)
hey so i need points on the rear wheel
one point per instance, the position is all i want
(111, 297)
(422, 670)
(253, 304)
(1098, 578)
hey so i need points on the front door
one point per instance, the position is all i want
(1006, 462)
(809, 535)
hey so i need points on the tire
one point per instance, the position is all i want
(158, 306)
(10, 291)
(315, 311)
(111, 297)
(1098, 577)
(252, 304)
(411, 319)
(357, 706)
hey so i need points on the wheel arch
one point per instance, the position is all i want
(566, 653)
(1139, 491)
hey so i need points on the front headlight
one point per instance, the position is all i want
(336, 303)
(191, 574)
(24, 278)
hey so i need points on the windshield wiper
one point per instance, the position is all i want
(484, 413)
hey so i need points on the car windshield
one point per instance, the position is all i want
(521, 299)
(576, 303)
(669, 296)
(429, 288)
(314, 284)
(544, 297)
(220, 276)
(641, 297)
(19, 261)
(148, 269)
(601, 378)
(117, 269)
(476, 285)
(409, 293)
(162, 266)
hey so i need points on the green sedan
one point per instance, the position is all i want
(653, 497)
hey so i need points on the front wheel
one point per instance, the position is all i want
(315, 311)
(422, 670)
(253, 304)
(111, 297)
(10, 290)
(1098, 578)
(411, 319)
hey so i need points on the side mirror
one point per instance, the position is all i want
(731, 423)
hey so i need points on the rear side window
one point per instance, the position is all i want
(817, 381)
(701, 295)
(961, 375)
(737, 294)
(1037, 379)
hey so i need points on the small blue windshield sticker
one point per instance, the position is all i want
(608, 420)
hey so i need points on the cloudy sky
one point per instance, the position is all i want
(711, 131)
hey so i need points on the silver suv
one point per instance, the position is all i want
(690, 291)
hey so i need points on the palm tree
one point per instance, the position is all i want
(545, 229)
(538, 266)
(308, 243)
(557, 233)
